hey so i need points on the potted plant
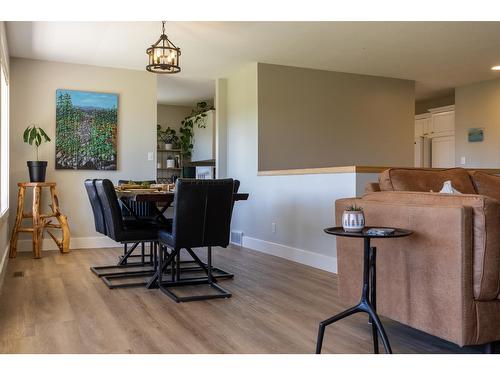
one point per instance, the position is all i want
(167, 136)
(34, 135)
(353, 219)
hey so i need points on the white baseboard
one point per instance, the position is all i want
(306, 257)
(75, 243)
(3, 266)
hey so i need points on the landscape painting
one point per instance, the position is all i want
(86, 126)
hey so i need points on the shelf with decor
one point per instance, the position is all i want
(172, 150)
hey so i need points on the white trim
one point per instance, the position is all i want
(3, 266)
(446, 108)
(423, 116)
(2, 262)
(323, 262)
(75, 243)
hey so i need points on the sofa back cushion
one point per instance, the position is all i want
(425, 180)
(486, 184)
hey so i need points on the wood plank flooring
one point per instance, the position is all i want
(59, 306)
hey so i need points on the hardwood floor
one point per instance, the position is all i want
(58, 306)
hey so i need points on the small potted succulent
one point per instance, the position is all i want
(35, 136)
(353, 219)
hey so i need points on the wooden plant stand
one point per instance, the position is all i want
(40, 221)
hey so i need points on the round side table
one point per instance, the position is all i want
(368, 301)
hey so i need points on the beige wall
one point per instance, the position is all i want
(313, 118)
(33, 89)
(172, 115)
(478, 106)
(423, 106)
(4, 227)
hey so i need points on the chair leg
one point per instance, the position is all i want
(208, 280)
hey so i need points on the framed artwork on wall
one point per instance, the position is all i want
(475, 135)
(86, 129)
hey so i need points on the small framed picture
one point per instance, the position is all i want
(475, 135)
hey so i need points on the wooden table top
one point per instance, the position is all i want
(161, 196)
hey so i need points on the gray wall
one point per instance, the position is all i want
(300, 205)
(172, 115)
(423, 106)
(478, 106)
(33, 90)
(314, 118)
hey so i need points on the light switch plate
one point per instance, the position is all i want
(150, 156)
(462, 160)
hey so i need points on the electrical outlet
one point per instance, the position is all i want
(150, 156)
(273, 227)
(462, 160)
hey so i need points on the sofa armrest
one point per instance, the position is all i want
(424, 280)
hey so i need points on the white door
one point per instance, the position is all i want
(443, 152)
(419, 145)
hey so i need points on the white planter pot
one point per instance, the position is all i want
(168, 146)
(170, 163)
(353, 221)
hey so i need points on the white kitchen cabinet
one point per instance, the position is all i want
(443, 152)
(423, 125)
(204, 139)
(443, 124)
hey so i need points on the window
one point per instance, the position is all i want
(4, 143)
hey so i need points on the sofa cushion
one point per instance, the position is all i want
(485, 224)
(486, 184)
(425, 180)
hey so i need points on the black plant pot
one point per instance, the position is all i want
(37, 170)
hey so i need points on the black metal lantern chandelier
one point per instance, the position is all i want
(163, 56)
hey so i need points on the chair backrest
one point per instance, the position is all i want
(202, 212)
(236, 186)
(95, 203)
(112, 213)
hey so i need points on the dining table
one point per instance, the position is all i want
(162, 199)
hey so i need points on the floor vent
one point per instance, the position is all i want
(237, 237)
(19, 274)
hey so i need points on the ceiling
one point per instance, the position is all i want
(437, 55)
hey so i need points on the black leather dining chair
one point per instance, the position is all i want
(100, 226)
(202, 218)
(95, 203)
(125, 232)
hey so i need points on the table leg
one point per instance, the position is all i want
(364, 304)
(37, 223)
(373, 295)
(17, 225)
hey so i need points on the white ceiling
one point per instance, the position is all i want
(437, 55)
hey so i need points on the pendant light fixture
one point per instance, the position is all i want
(163, 56)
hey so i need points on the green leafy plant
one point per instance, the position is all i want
(199, 114)
(353, 207)
(186, 138)
(34, 135)
(168, 135)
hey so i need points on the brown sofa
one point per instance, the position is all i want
(445, 278)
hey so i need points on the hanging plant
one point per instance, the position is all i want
(199, 114)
